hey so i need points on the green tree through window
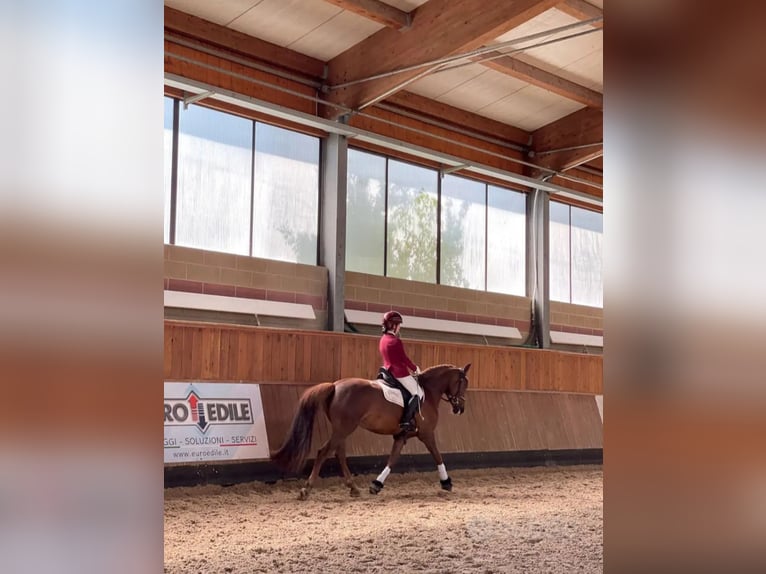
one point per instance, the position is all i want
(412, 240)
(412, 237)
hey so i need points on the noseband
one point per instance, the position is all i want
(455, 399)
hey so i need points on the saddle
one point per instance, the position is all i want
(407, 422)
(389, 380)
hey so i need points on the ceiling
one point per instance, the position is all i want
(523, 86)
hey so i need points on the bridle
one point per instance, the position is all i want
(456, 399)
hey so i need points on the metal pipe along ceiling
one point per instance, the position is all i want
(455, 63)
(569, 148)
(479, 51)
(337, 127)
(285, 113)
(479, 60)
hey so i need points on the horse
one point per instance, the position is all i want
(353, 402)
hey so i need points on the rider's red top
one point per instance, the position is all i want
(394, 358)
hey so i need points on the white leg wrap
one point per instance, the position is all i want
(442, 472)
(384, 475)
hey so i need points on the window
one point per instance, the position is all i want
(576, 247)
(286, 202)
(506, 241)
(463, 232)
(168, 136)
(242, 186)
(559, 254)
(411, 238)
(365, 212)
(393, 208)
(587, 249)
(214, 180)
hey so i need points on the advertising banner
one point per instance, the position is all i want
(214, 422)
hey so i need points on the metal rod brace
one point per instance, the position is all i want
(196, 97)
(569, 148)
(453, 168)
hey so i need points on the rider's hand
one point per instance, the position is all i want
(417, 370)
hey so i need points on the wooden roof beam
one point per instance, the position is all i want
(597, 163)
(216, 35)
(571, 141)
(542, 79)
(458, 117)
(439, 28)
(582, 11)
(377, 11)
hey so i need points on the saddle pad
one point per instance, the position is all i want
(393, 395)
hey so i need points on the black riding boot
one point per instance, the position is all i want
(408, 423)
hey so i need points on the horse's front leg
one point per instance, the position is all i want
(429, 440)
(377, 485)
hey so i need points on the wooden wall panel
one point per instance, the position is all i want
(196, 65)
(231, 353)
(494, 421)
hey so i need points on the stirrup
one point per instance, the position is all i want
(405, 428)
(408, 426)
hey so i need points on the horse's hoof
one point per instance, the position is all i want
(303, 494)
(446, 484)
(354, 492)
(375, 487)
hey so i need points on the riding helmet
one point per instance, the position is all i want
(390, 319)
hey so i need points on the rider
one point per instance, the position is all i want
(396, 362)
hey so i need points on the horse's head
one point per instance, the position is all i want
(456, 388)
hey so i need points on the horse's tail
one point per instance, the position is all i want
(292, 454)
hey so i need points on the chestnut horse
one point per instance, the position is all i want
(349, 403)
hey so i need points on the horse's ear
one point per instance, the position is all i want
(465, 369)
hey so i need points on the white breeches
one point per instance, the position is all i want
(410, 384)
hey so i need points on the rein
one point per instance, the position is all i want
(452, 399)
(455, 399)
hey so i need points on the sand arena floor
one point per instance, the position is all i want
(542, 519)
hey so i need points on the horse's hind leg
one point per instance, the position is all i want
(340, 452)
(322, 455)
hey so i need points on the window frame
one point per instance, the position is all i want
(173, 215)
(439, 230)
(569, 207)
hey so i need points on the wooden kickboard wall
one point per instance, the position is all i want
(493, 421)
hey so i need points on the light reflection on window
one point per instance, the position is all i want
(576, 255)
(412, 199)
(365, 212)
(214, 180)
(168, 142)
(463, 227)
(506, 241)
(286, 202)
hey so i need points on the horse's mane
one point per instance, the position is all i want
(435, 371)
(442, 366)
